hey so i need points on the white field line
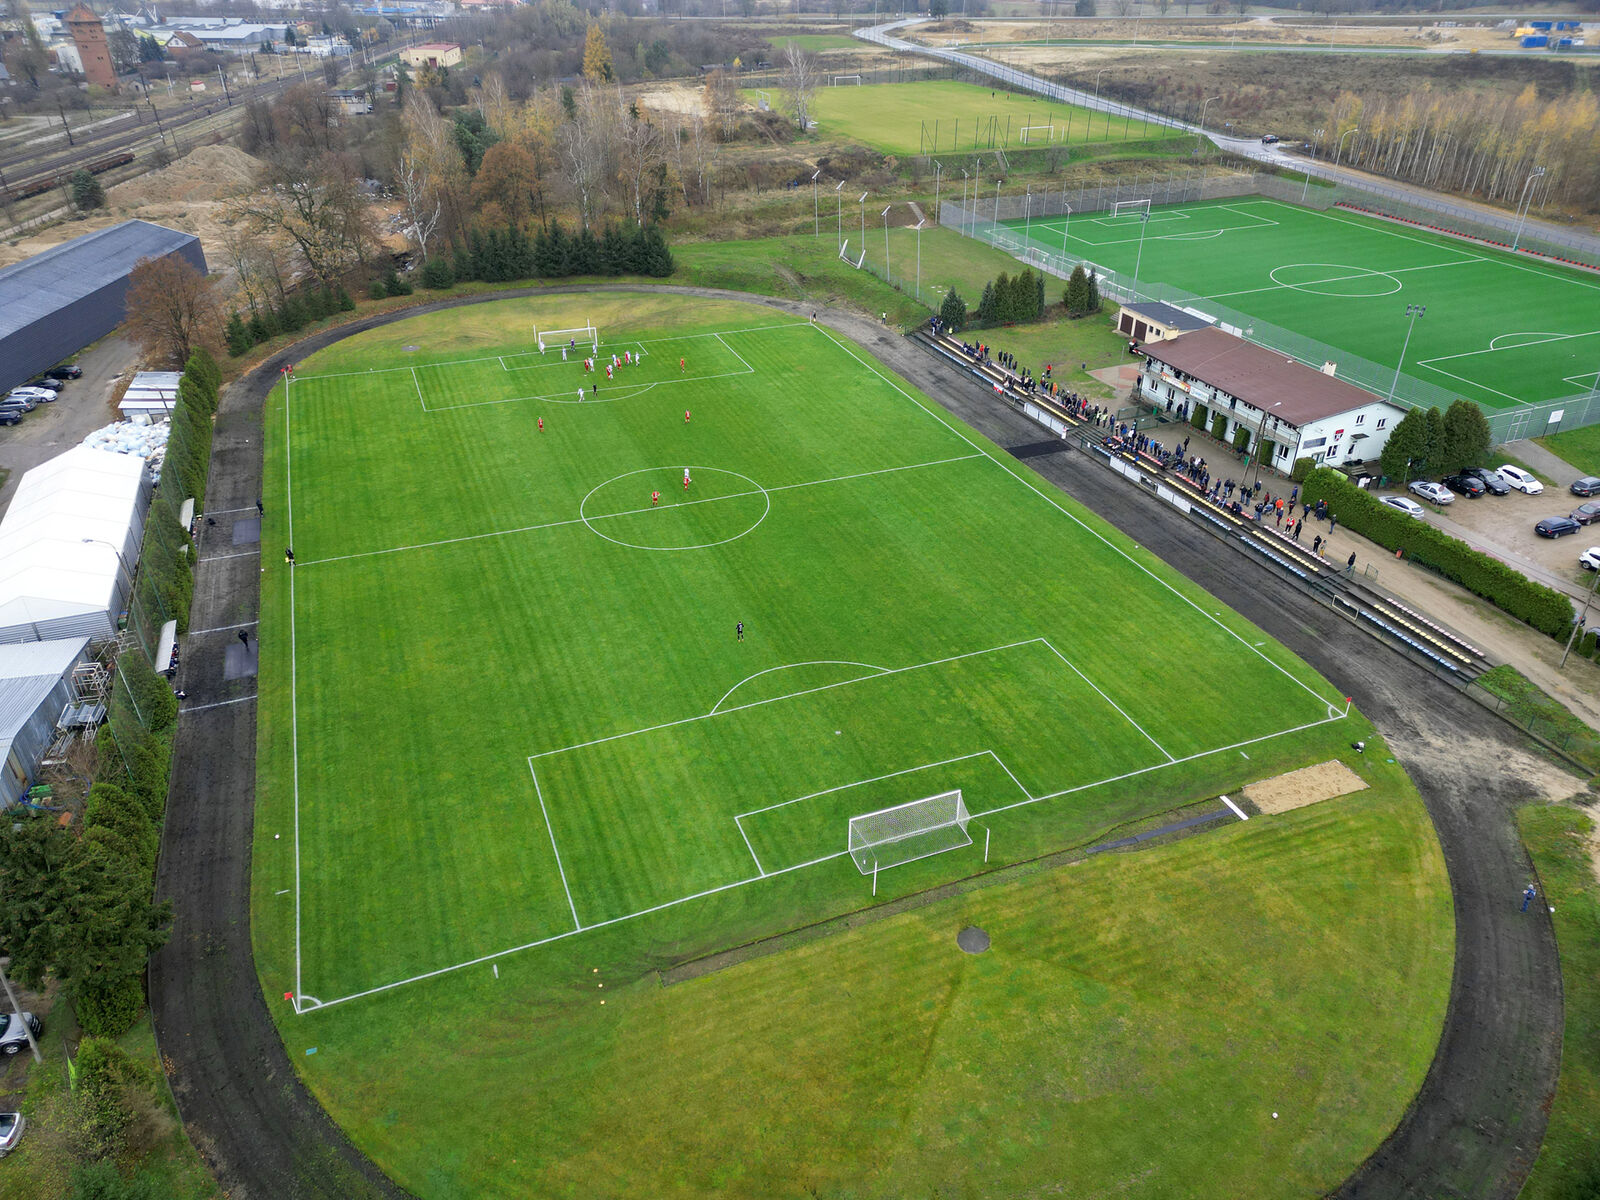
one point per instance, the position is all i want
(1497, 262)
(458, 362)
(826, 687)
(1261, 222)
(816, 662)
(785, 487)
(418, 384)
(845, 787)
(1071, 667)
(564, 397)
(1237, 811)
(225, 512)
(748, 368)
(1071, 516)
(225, 557)
(738, 883)
(748, 846)
(551, 830)
(1359, 273)
(1543, 339)
(565, 362)
(1473, 383)
(294, 679)
(221, 628)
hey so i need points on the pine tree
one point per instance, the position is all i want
(953, 311)
(986, 305)
(1466, 436)
(1003, 302)
(1076, 297)
(237, 335)
(1094, 292)
(86, 191)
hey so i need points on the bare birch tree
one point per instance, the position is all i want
(799, 83)
(420, 202)
(585, 148)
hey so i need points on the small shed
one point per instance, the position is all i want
(68, 543)
(1155, 322)
(35, 690)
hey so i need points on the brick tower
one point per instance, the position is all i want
(90, 38)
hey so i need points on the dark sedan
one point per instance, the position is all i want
(1465, 485)
(1490, 479)
(1588, 513)
(1587, 486)
(1554, 527)
(69, 371)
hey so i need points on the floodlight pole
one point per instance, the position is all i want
(1340, 149)
(1413, 311)
(938, 169)
(964, 178)
(1027, 223)
(863, 202)
(1198, 133)
(920, 224)
(1089, 126)
(838, 203)
(17, 1008)
(121, 559)
(816, 217)
(1144, 220)
(1065, 227)
(1527, 203)
(888, 276)
(1316, 137)
(997, 184)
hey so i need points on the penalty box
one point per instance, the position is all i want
(506, 379)
(647, 817)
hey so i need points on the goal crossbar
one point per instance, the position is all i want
(1129, 206)
(554, 339)
(1049, 132)
(907, 832)
(839, 79)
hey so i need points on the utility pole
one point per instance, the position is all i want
(17, 1008)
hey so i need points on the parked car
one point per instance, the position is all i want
(11, 416)
(1404, 503)
(1587, 486)
(15, 1038)
(1435, 492)
(1467, 485)
(20, 400)
(1554, 527)
(1589, 560)
(1269, 139)
(37, 395)
(45, 382)
(1586, 513)
(11, 1127)
(68, 371)
(1518, 478)
(1490, 479)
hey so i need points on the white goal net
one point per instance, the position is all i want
(842, 80)
(586, 336)
(1033, 134)
(907, 832)
(1123, 208)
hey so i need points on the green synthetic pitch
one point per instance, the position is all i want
(1498, 329)
(945, 117)
(508, 708)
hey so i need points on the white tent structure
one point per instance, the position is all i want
(35, 686)
(68, 544)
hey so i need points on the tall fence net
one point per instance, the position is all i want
(988, 219)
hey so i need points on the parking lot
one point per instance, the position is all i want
(1503, 526)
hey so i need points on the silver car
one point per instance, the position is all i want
(1435, 492)
(11, 1127)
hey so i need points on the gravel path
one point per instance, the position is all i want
(1473, 1130)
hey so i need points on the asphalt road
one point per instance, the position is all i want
(1472, 1131)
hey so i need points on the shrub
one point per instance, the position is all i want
(86, 191)
(111, 808)
(102, 1181)
(376, 290)
(436, 273)
(393, 285)
(110, 1007)
(1546, 609)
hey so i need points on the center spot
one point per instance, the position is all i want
(717, 507)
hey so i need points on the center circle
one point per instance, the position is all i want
(1335, 279)
(679, 520)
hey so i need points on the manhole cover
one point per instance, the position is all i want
(973, 940)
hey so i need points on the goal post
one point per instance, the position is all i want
(554, 339)
(1123, 208)
(894, 836)
(852, 80)
(1038, 133)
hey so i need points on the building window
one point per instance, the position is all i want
(1383, 422)
(1360, 417)
(1314, 443)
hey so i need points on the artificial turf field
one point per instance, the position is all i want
(493, 650)
(1500, 330)
(945, 117)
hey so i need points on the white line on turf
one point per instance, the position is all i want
(1107, 698)
(1543, 339)
(1069, 514)
(551, 830)
(418, 383)
(748, 846)
(294, 677)
(1358, 273)
(474, 537)
(221, 628)
(225, 557)
(1237, 811)
(816, 662)
(194, 708)
(855, 783)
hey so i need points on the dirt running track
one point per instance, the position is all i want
(1475, 1126)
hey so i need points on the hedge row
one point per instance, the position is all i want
(1546, 609)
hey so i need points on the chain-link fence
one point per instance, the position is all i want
(991, 219)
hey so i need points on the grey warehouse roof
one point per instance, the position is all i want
(40, 286)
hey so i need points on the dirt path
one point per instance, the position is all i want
(1473, 1130)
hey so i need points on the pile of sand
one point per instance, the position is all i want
(1308, 785)
(205, 173)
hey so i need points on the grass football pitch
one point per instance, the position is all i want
(1500, 330)
(510, 707)
(945, 117)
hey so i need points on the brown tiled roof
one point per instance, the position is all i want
(83, 12)
(1273, 382)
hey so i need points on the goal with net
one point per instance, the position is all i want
(841, 80)
(1123, 208)
(554, 339)
(1034, 134)
(891, 837)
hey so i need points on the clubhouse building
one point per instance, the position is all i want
(1265, 403)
